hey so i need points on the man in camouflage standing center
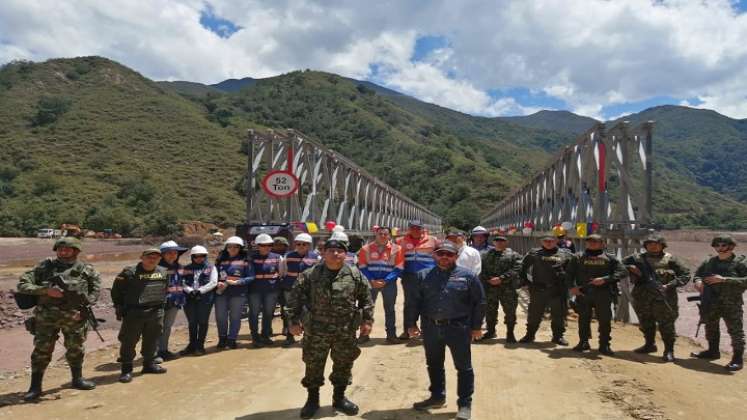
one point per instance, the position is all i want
(329, 302)
(64, 286)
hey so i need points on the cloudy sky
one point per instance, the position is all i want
(600, 58)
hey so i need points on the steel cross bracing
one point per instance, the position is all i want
(331, 187)
(604, 180)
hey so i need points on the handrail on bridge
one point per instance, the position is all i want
(332, 187)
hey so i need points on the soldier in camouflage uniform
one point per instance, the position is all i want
(139, 296)
(59, 309)
(722, 280)
(329, 302)
(656, 275)
(500, 279)
(592, 277)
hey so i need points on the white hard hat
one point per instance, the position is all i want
(198, 250)
(479, 230)
(235, 240)
(338, 228)
(339, 236)
(263, 239)
(303, 237)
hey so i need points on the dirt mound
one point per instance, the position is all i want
(10, 315)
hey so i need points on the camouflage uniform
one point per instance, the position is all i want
(649, 302)
(52, 315)
(505, 264)
(332, 306)
(725, 299)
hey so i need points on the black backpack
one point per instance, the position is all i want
(25, 301)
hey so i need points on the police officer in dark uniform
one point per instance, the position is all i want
(593, 276)
(547, 287)
(450, 302)
(138, 295)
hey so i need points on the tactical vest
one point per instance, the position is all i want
(145, 289)
(73, 279)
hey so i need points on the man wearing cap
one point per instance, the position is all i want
(58, 310)
(479, 238)
(175, 297)
(328, 303)
(417, 247)
(450, 302)
(593, 276)
(469, 258)
(280, 245)
(564, 242)
(138, 294)
(382, 261)
(656, 275)
(296, 262)
(721, 281)
(543, 269)
(500, 279)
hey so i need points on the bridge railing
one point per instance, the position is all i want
(332, 187)
(601, 184)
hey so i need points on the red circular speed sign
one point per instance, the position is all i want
(280, 184)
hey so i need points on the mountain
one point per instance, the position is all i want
(234, 85)
(563, 121)
(89, 141)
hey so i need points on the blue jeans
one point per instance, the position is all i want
(390, 298)
(228, 315)
(263, 302)
(169, 316)
(409, 284)
(458, 338)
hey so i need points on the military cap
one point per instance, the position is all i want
(723, 239)
(594, 237)
(67, 242)
(281, 240)
(334, 243)
(499, 238)
(548, 236)
(447, 246)
(149, 251)
(455, 232)
(655, 237)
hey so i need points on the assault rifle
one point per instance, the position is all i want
(705, 299)
(648, 279)
(85, 307)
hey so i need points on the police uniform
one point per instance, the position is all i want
(505, 264)
(450, 305)
(651, 302)
(82, 286)
(546, 288)
(138, 298)
(582, 269)
(723, 300)
(330, 305)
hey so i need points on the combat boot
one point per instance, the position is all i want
(35, 389)
(510, 337)
(737, 361)
(340, 402)
(489, 333)
(126, 375)
(582, 346)
(222, 343)
(605, 349)
(289, 341)
(650, 345)
(668, 355)
(712, 353)
(78, 382)
(528, 337)
(153, 368)
(312, 404)
(231, 344)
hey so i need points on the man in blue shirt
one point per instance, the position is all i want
(450, 302)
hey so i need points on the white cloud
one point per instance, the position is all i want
(589, 53)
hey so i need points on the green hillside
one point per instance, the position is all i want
(563, 121)
(92, 142)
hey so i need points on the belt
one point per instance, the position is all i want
(450, 321)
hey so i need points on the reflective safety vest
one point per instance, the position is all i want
(378, 263)
(297, 264)
(418, 252)
(266, 272)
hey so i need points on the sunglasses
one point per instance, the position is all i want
(445, 254)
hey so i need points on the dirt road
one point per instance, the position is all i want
(528, 382)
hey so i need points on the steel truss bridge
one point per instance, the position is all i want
(332, 187)
(603, 183)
